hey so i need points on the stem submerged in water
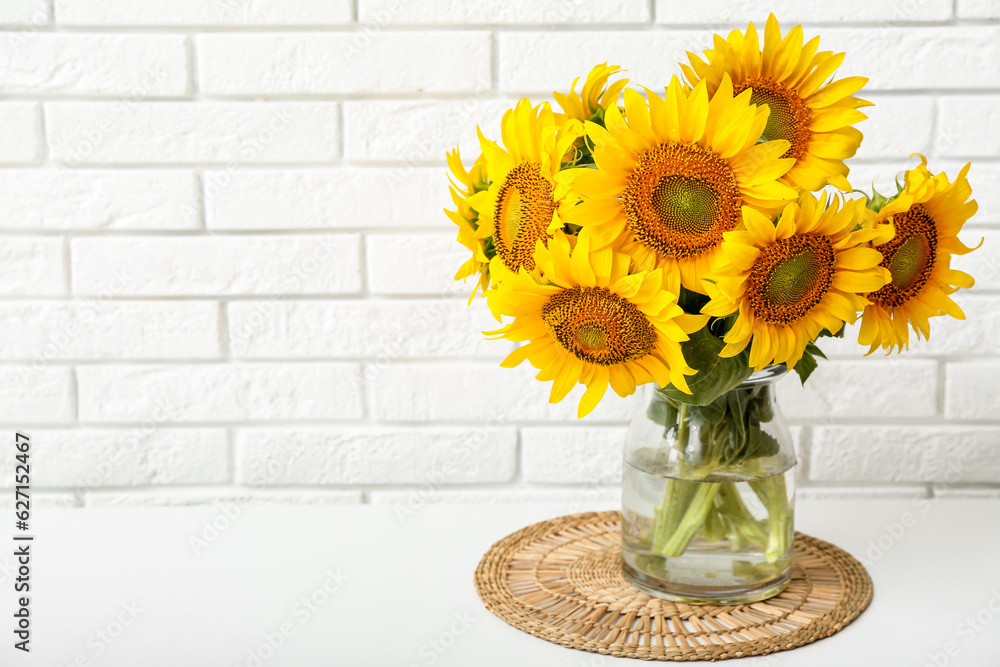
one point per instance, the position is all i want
(675, 542)
(730, 436)
(741, 526)
(774, 494)
(677, 496)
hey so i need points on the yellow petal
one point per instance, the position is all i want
(836, 91)
(742, 256)
(859, 283)
(595, 391)
(858, 259)
(761, 227)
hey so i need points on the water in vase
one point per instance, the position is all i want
(720, 538)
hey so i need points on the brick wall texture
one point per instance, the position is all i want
(225, 273)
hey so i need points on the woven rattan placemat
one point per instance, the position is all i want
(561, 580)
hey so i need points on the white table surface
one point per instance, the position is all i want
(406, 595)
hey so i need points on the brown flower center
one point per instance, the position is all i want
(523, 213)
(910, 257)
(789, 115)
(597, 326)
(680, 198)
(790, 277)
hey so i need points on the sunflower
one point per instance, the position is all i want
(789, 77)
(592, 322)
(671, 180)
(790, 281)
(521, 205)
(464, 184)
(595, 97)
(927, 215)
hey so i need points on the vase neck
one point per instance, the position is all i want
(768, 375)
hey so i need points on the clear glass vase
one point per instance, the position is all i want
(708, 495)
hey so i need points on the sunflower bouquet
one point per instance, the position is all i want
(688, 237)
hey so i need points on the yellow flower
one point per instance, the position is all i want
(595, 97)
(789, 77)
(590, 321)
(927, 216)
(790, 281)
(671, 180)
(464, 184)
(522, 203)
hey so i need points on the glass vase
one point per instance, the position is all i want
(708, 495)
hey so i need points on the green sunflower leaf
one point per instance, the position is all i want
(761, 444)
(716, 375)
(807, 364)
(710, 413)
(877, 200)
(662, 412)
(813, 349)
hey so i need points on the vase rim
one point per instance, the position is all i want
(766, 375)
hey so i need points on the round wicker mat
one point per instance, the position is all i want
(561, 580)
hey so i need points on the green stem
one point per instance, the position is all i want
(730, 434)
(677, 496)
(773, 493)
(682, 426)
(715, 528)
(685, 504)
(677, 493)
(741, 525)
(694, 518)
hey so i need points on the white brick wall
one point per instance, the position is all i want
(133, 131)
(219, 393)
(145, 199)
(225, 274)
(95, 458)
(113, 330)
(101, 65)
(32, 266)
(211, 265)
(795, 11)
(339, 63)
(24, 12)
(21, 141)
(160, 13)
(415, 132)
(375, 455)
(340, 198)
